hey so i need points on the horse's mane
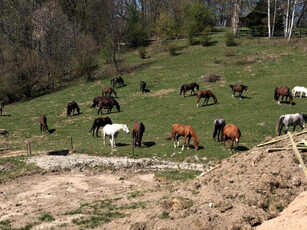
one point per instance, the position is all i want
(194, 135)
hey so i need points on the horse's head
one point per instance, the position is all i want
(125, 129)
(215, 101)
(304, 115)
(246, 88)
(196, 143)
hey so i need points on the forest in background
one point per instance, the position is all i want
(45, 44)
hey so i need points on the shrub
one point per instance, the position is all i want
(205, 38)
(172, 49)
(142, 52)
(230, 39)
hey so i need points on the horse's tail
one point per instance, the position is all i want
(215, 129)
(93, 127)
(278, 126)
(171, 137)
(181, 89)
(275, 94)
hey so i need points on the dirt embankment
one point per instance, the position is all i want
(243, 193)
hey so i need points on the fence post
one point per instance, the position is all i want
(71, 143)
(29, 148)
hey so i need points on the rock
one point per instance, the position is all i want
(296, 181)
(225, 207)
(138, 226)
(176, 204)
(197, 185)
(275, 172)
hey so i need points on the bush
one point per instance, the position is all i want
(205, 38)
(142, 52)
(230, 39)
(172, 49)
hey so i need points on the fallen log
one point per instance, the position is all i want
(269, 150)
(62, 152)
(280, 139)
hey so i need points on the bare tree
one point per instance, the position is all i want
(235, 18)
(269, 18)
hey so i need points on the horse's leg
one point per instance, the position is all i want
(301, 94)
(198, 98)
(97, 129)
(184, 142)
(218, 134)
(294, 126)
(177, 138)
(240, 95)
(114, 138)
(189, 139)
(287, 128)
(233, 93)
(231, 147)
(104, 139)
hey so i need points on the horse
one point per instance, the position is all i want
(137, 133)
(206, 94)
(119, 81)
(284, 92)
(142, 86)
(98, 122)
(71, 106)
(291, 119)
(1, 109)
(299, 89)
(108, 92)
(107, 103)
(112, 131)
(187, 132)
(191, 86)
(96, 101)
(231, 132)
(239, 89)
(43, 123)
(219, 125)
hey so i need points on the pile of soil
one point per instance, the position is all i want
(242, 193)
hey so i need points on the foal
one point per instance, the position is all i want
(143, 86)
(239, 89)
(71, 106)
(108, 92)
(206, 94)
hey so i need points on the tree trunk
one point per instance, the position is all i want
(292, 20)
(235, 18)
(274, 17)
(287, 20)
(269, 18)
(301, 16)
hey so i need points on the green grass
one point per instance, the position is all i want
(46, 217)
(177, 175)
(260, 63)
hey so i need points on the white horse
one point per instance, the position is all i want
(299, 89)
(112, 131)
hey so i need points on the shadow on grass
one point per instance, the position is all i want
(147, 90)
(287, 103)
(208, 104)
(242, 148)
(5, 115)
(121, 144)
(244, 97)
(77, 114)
(149, 144)
(51, 131)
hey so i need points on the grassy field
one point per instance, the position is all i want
(260, 63)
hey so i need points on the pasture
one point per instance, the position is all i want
(261, 64)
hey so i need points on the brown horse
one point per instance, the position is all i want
(284, 92)
(187, 132)
(1, 109)
(137, 133)
(96, 101)
(142, 86)
(206, 94)
(43, 123)
(239, 89)
(108, 92)
(98, 122)
(107, 103)
(191, 86)
(71, 106)
(119, 81)
(231, 133)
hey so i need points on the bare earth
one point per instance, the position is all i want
(247, 191)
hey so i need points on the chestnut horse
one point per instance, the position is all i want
(206, 94)
(71, 106)
(107, 103)
(98, 122)
(231, 133)
(191, 86)
(108, 92)
(143, 86)
(284, 92)
(96, 101)
(43, 123)
(119, 81)
(187, 132)
(1, 109)
(239, 89)
(137, 133)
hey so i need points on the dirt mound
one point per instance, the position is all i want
(245, 191)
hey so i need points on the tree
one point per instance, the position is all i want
(166, 26)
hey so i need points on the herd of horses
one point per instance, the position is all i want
(224, 132)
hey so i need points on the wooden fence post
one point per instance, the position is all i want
(71, 143)
(29, 148)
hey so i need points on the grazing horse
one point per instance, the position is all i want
(71, 106)
(143, 86)
(191, 86)
(239, 89)
(112, 131)
(119, 81)
(107, 103)
(1, 109)
(231, 132)
(98, 122)
(206, 94)
(291, 119)
(137, 133)
(108, 92)
(43, 123)
(284, 92)
(299, 89)
(187, 132)
(219, 125)
(96, 101)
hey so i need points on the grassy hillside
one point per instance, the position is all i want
(258, 63)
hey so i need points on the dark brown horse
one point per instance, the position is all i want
(191, 86)
(71, 107)
(142, 86)
(284, 92)
(108, 92)
(119, 81)
(137, 133)
(205, 94)
(231, 133)
(239, 89)
(187, 132)
(107, 103)
(96, 101)
(43, 123)
(98, 122)
(1, 109)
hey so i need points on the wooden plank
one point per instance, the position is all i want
(298, 155)
(280, 139)
(269, 150)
